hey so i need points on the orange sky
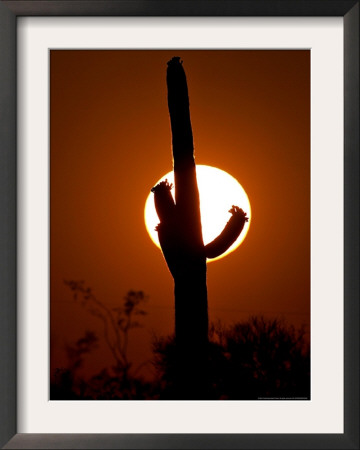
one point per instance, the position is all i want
(111, 141)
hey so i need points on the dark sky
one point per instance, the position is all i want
(111, 141)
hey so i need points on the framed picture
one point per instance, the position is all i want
(271, 96)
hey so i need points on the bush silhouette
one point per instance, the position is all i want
(117, 322)
(120, 381)
(247, 361)
(250, 360)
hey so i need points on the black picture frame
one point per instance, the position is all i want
(9, 11)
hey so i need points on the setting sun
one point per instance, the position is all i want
(218, 192)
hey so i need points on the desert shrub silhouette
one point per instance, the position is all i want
(119, 381)
(250, 360)
(66, 384)
(254, 359)
(117, 322)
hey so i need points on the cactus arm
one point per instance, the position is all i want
(167, 228)
(164, 202)
(229, 234)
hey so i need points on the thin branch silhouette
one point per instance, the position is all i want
(117, 322)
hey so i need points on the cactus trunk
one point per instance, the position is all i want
(181, 241)
(191, 316)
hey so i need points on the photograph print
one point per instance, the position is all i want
(180, 225)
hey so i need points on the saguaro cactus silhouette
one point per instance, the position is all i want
(181, 241)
